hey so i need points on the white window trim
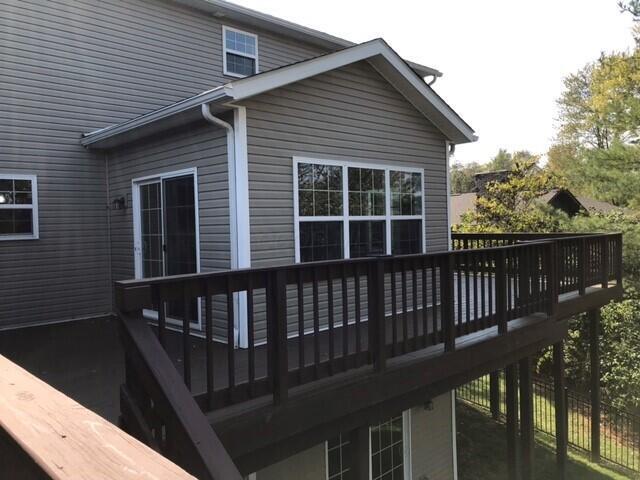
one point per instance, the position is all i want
(406, 447)
(35, 234)
(345, 218)
(136, 183)
(226, 50)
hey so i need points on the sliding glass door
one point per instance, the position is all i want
(167, 233)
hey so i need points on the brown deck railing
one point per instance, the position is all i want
(309, 321)
(582, 259)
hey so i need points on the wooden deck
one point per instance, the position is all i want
(380, 335)
(45, 434)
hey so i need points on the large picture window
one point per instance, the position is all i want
(18, 207)
(347, 210)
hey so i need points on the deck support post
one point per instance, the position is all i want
(494, 394)
(278, 353)
(447, 302)
(377, 326)
(501, 291)
(359, 446)
(511, 383)
(594, 349)
(526, 417)
(560, 409)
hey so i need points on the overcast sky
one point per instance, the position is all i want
(503, 61)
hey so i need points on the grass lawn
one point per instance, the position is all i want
(482, 452)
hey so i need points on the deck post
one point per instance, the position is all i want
(375, 298)
(511, 384)
(501, 291)
(604, 249)
(594, 344)
(560, 409)
(583, 260)
(278, 321)
(359, 447)
(526, 417)
(447, 302)
(494, 394)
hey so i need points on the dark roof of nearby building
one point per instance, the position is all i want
(465, 202)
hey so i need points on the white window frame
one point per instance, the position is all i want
(406, 447)
(136, 183)
(35, 231)
(226, 50)
(346, 217)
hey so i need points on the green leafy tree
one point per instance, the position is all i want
(462, 177)
(513, 205)
(601, 102)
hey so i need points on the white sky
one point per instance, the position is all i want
(503, 60)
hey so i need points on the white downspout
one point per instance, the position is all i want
(239, 299)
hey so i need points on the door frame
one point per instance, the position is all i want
(136, 183)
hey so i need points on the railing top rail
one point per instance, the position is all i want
(138, 283)
(65, 439)
(532, 235)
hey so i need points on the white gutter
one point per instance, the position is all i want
(238, 208)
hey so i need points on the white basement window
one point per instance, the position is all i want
(18, 207)
(240, 52)
(349, 210)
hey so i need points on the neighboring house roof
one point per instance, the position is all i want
(377, 52)
(247, 16)
(591, 204)
(460, 204)
(571, 204)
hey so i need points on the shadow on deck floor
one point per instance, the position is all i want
(82, 359)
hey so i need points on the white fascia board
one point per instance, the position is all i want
(102, 134)
(251, 86)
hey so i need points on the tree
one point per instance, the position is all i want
(462, 177)
(513, 205)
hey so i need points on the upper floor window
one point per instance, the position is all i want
(18, 207)
(240, 52)
(344, 210)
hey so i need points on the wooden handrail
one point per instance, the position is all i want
(45, 434)
(199, 450)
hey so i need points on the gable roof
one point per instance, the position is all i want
(227, 10)
(377, 52)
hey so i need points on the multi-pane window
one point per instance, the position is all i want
(18, 207)
(357, 211)
(320, 190)
(320, 211)
(366, 192)
(320, 241)
(337, 458)
(406, 210)
(387, 450)
(240, 52)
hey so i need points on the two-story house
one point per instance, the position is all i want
(159, 138)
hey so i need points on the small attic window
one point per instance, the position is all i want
(240, 52)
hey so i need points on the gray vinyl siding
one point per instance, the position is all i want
(201, 146)
(349, 114)
(432, 431)
(68, 67)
